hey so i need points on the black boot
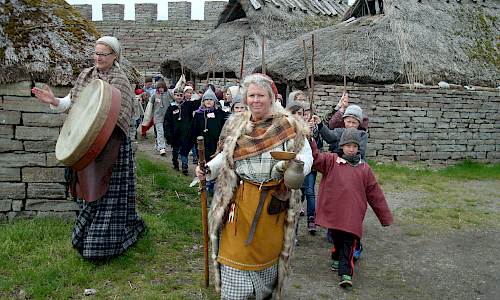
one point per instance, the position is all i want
(176, 166)
(185, 170)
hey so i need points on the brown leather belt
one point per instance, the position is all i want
(258, 212)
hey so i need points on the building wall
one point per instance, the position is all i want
(430, 125)
(31, 179)
(147, 41)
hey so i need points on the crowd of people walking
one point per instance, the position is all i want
(256, 201)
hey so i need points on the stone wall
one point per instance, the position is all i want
(147, 41)
(31, 179)
(431, 125)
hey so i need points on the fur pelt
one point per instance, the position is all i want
(227, 182)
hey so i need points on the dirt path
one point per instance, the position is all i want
(402, 261)
(398, 264)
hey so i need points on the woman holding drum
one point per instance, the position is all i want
(108, 222)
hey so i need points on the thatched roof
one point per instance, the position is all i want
(423, 42)
(275, 20)
(45, 41)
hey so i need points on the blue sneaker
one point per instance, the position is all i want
(357, 252)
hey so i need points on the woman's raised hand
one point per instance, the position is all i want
(45, 95)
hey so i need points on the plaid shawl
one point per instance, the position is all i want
(115, 77)
(265, 135)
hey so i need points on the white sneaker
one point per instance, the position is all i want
(162, 152)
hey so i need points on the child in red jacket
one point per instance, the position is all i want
(347, 186)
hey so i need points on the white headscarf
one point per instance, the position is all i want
(114, 44)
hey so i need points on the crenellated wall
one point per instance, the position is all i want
(146, 40)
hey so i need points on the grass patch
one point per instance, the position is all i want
(458, 197)
(37, 260)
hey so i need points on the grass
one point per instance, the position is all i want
(457, 197)
(37, 260)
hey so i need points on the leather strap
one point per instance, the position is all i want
(256, 217)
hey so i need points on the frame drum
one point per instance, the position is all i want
(89, 124)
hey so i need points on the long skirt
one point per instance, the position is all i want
(108, 226)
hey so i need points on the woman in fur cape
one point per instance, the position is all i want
(253, 215)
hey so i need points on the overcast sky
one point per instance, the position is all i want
(196, 7)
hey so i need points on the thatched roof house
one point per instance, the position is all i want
(423, 42)
(46, 41)
(275, 20)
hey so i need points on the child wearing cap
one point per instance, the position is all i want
(207, 122)
(346, 188)
(352, 119)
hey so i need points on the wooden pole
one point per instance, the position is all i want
(242, 58)
(312, 74)
(305, 64)
(224, 77)
(204, 212)
(344, 66)
(263, 55)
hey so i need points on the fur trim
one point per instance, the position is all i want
(227, 181)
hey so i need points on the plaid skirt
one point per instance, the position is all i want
(108, 226)
(241, 285)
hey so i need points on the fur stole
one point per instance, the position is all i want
(227, 182)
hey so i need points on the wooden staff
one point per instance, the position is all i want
(242, 57)
(203, 196)
(224, 77)
(305, 64)
(182, 62)
(263, 55)
(344, 67)
(311, 99)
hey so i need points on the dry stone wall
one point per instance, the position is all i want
(431, 125)
(31, 179)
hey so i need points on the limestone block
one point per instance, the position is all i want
(9, 190)
(37, 133)
(424, 120)
(49, 204)
(425, 148)
(7, 131)
(30, 174)
(394, 147)
(5, 205)
(17, 205)
(22, 159)
(46, 190)
(43, 120)
(8, 117)
(22, 88)
(52, 161)
(451, 114)
(8, 145)
(435, 155)
(28, 104)
(451, 148)
(40, 146)
(482, 147)
(434, 113)
(10, 174)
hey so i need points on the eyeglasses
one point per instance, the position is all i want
(101, 54)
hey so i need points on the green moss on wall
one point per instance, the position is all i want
(480, 29)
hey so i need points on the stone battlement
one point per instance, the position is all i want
(148, 12)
